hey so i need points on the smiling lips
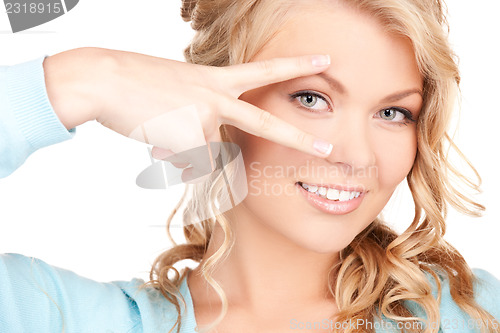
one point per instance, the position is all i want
(332, 200)
(331, 193)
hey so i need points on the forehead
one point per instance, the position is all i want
(360, 49)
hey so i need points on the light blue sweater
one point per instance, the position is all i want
(38, 297)
(27, 120)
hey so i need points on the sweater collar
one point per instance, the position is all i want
(188, 318)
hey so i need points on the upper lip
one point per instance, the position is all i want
(348, 188)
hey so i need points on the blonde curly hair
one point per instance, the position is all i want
(380, 271)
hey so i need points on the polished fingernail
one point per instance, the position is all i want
(321, 60)
(322, 147)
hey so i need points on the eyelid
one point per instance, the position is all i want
(294, 95)
(407, 113)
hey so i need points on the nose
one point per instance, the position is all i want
(353, 149)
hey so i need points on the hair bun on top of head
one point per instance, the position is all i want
(201, 13)
(187, 9)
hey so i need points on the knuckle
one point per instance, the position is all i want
(222, 80)
(302, 63)
(211, 74)
(207, 111)
(302, 139)
(266, 121)
(267, 67)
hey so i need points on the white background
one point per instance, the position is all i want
(75, 204)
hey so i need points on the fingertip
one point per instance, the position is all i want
(322, 147)
(322, 60)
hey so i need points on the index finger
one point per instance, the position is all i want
(251, 75)
(258, 122)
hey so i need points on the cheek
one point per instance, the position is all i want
(260, 156)
(396, 159)
(257, 149)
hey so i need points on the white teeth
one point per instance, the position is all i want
(312, 188)
(332, 194)
(344, 195)
(322, 191)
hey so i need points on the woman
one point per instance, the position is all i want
(288, 259)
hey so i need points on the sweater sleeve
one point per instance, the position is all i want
(27, 120)
(37, 297)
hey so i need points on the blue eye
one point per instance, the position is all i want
(311, 101)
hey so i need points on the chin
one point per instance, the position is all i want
(328, 248)
(332, 243)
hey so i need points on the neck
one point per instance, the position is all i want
(264, 270)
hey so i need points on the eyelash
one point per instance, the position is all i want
(405, 112)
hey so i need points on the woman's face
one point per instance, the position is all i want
(358, 104)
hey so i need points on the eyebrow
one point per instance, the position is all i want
(337, 86)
